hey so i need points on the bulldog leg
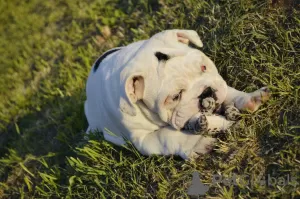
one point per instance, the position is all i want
(247, 101)
(169, 141)
(217, 123)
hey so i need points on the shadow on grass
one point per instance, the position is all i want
(56, 129)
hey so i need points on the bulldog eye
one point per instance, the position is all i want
(161, 56)
(177, 96)
(203, 68)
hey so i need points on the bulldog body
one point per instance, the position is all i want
(147, 91)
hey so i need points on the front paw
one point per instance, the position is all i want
(197, 125)
(208, 106)
(232, 113)
(209, 103)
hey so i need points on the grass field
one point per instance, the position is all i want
(47, 49)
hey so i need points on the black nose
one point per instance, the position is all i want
(208, 92)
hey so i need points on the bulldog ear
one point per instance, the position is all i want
(189, 37)
(134, 89)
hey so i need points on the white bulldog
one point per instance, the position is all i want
(146, 92)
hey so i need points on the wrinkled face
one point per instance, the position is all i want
(174, 80)
(181, 80)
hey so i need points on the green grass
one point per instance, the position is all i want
(47, 49)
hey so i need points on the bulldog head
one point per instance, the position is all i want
(168, 76)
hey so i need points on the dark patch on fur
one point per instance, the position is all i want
(161, 56)
(100, 59)
(192, 45)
